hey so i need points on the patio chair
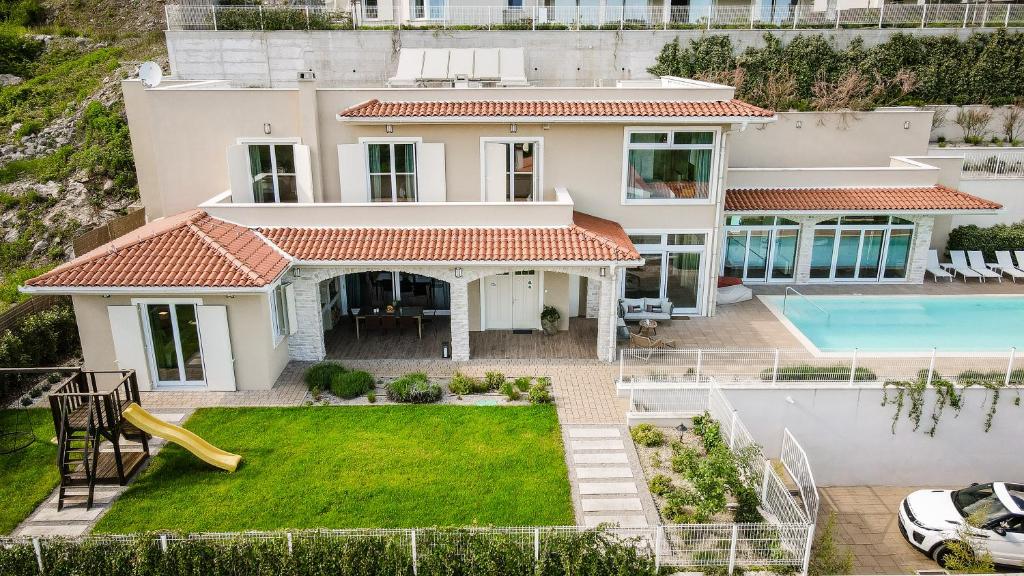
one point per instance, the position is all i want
(1019, 254)
(936, 269)
(1004, 265)
(978, 265)
(959, 266)
(639, 341)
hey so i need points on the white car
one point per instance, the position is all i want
(929, 519)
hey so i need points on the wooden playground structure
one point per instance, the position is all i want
(96, 445)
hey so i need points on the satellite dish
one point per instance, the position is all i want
(150, 74)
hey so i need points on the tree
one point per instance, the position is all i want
(1013, 121)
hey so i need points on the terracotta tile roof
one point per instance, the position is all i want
(924, 198)
(189, 249)
(587, 239)
(541, 108)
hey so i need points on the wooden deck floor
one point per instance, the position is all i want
(106, 469)
(580, 341)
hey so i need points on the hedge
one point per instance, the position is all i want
(981, 69)
(441, 552)
(988, 240)
(42, 339)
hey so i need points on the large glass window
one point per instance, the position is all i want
(671, 269)
(669, 165)
(392, 170)
(521, 171)
(368, 290)
(760, 248)
(272, 167)
(862, 248)
(174, 343)
(279, 311)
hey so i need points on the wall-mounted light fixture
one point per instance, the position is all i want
(513, 128)
(906, 125)
(799, 123)
(458, 272)
(266, 127)
(546, 126)
(604, 272)
(389, 128)
(106, 295)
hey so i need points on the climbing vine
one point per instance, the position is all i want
(898, 392)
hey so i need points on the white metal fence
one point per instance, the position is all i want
(232, 17)
(682, 545)
(985, 163)
(775, 367)
(794, 459)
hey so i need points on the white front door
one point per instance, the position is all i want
(175, 351)
(512, 301)
(525, 300)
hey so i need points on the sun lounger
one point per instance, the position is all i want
(936, 269)
(977, 261)
(639, 341)
(959, 266)
(1004, 265)
(1019, 254)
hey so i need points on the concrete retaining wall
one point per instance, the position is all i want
(347, 57)
(848, 438)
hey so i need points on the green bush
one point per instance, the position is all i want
(988, 240)
(494, 380)
(509, 390)
(660, 485)
(415, 388)
(647, 435)
(18, 52)
(523, 383)
(46, 338)
(349, 385)
(540, 392)
(18, 560)
(460, 384)
(319, 376)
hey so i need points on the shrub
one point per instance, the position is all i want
(349, 385)
(494, 380)
(647, 435)
(319, 376)
(415, 388)
(826, 556)
(523, 383)
(988, 240)
(807, 372)
(35, 392)
(709, 430)
(540, 392)
(660, 485)
(43, 339)
(510, 391)
(460, 384)
(26, 401)
(371, 397)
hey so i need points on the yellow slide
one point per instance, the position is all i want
(205, 451)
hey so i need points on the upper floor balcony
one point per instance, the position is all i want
(554, 209)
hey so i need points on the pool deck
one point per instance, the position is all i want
(751, 324)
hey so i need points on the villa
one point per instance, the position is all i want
(280, 218)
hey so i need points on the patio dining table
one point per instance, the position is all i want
(418, 315)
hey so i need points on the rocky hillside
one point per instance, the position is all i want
(65, 155)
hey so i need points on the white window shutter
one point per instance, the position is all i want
(293, 319)
(352, 168)
(130, 343)
(239, 174)
(495, 178)
(430, 173)
(215, 342)
(303, 173)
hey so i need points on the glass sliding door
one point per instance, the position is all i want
(866, 248)
(673, 269)
(847, 253)
(784, 254)
(735, 253)
(174, 344)
(644, 281)
(760, 248)
(898, 253)
(822, 253)
(757, 254)
(870, 254)
(683, 286)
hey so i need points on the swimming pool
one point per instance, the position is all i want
(904, 323)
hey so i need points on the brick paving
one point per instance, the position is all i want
(866, 524)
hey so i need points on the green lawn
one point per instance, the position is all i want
(28, 476)
(348, 467)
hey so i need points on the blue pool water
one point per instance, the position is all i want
(908, 323)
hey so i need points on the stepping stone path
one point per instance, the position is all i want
(608, 482)
(74, 520)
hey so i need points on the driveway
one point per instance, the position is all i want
(866, 524)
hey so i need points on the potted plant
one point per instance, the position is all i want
(549, 318)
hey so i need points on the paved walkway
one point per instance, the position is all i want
(607, 481)
(74, 519)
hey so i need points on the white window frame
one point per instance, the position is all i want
(147, 332)
(273, 161)
(887, 229)
(538, 165)
(665, 249)
(716, 158)
(278, 303)
(772, 230)
(392, 140)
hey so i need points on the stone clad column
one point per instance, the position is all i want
(307, 343)
(805, 243)
(459, 290)
(606, 317)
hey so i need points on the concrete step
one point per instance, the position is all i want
(600, 458)
(630, 521)
(615, 444)
(594, 433)
(603, 472)
(611, 504)
(605, 488)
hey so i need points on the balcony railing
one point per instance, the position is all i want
(803, 17)
(990, 163)
(555, 210)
